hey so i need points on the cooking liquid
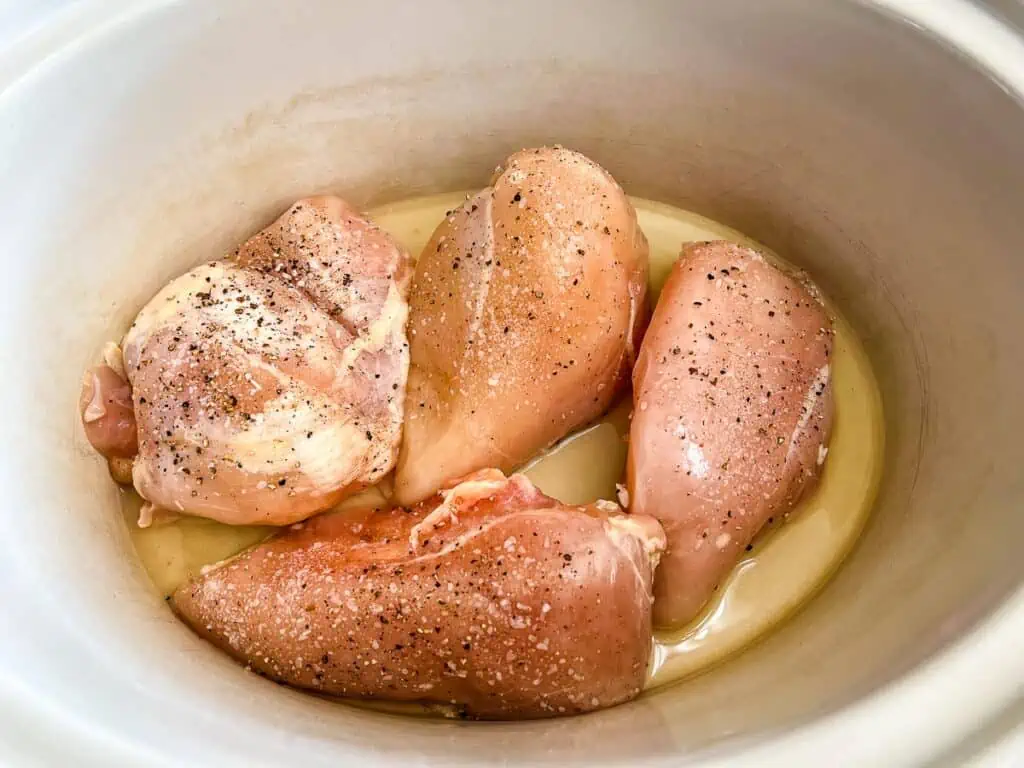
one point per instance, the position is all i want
(789, 560)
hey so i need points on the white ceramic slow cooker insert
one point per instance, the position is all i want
(877, 144)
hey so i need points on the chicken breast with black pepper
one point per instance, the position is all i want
(732, 399)
(526, 307)
(268, 386)
(491, 597)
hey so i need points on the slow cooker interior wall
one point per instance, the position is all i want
(851, 144)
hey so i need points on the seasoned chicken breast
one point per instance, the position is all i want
(732, 413)
(490, 596)
(268, 386)
(526, 306)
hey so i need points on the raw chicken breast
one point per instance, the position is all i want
(732, 413)
(491, 597)
(270, 385)
(526, 306)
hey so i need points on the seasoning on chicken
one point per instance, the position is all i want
(270, 385)
(526, 308)
(491, 596)
(732, 399)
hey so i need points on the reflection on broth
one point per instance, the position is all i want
(787, 563)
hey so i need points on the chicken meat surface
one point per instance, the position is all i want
(491, 597)
(526, 309)
(270, 385)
